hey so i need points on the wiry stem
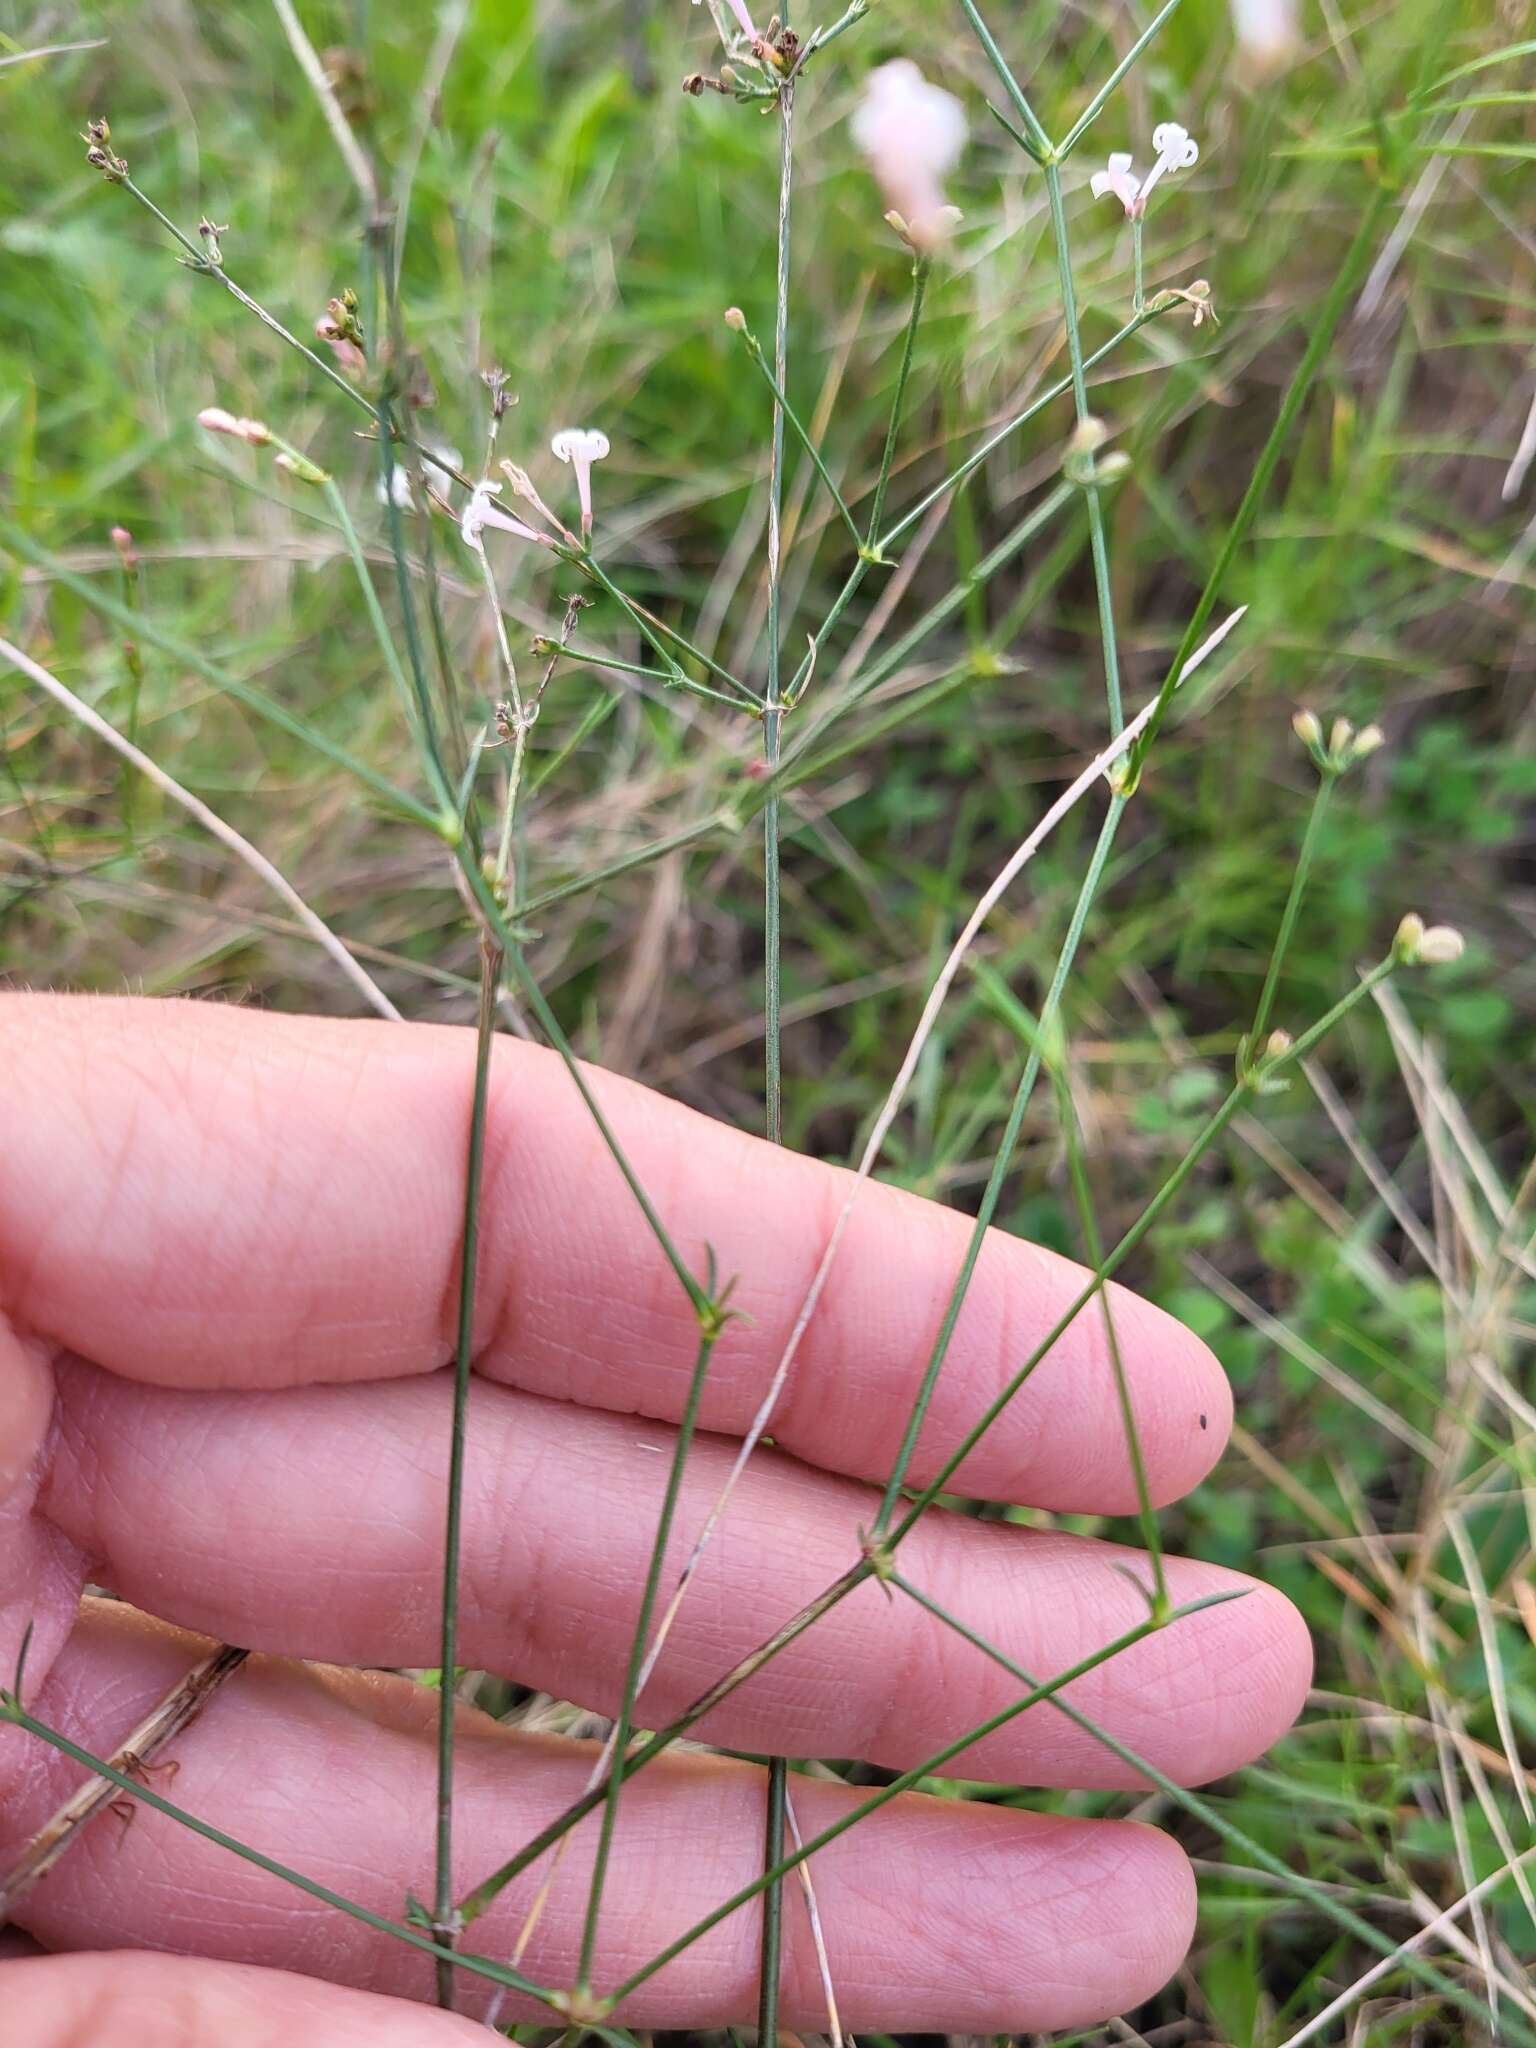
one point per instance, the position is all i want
(1034, 1697)
(771, 1949)
(1317, 1896)
(484, 1894)
(1299, 878)
(1097, 539)
(708, 1337)
(446, 1925)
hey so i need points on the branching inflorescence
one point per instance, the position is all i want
(912, 134)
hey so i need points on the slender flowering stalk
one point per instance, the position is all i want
(581, 447)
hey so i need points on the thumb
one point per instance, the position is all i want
(151, 2001)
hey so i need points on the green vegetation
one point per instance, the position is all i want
(1355, 1243)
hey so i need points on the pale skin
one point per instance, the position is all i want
(228, 1260)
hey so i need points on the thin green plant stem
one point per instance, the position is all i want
(658, 849)
(1035, 1696)
(445, 1925)
(1097, 540)
(375, 611)
(1298, 889)
(921, 268)
(671, 678)
(1082, 1193)
(999, 435)
(1318, 1896)
(1340, 292)
(649, 626)
(782, 405)
(771, 1942)
(708, 1337)
(776, 1811)
(12, 1711)
(22, 543)
(597, 713)
(198, 262)
(773, 714)
(1010, 84)
(1236, 1099)
(433, 761)
(956, 478)
(1038, 517)
(1138, 264)
(1100, 100)
(491, 910)
(1002, 1164)
(865, 1568)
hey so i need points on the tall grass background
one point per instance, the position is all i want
(1356, 1248)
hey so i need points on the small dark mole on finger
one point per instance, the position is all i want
(1203, 1423)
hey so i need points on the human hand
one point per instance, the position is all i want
(228, 1258)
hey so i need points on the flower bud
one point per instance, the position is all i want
(217, 421)
(1339, 737)
(1440, 945)
(1308, 728)
(300, 467)
(1367, 740)
(735, 319)
(1408, 938)
(1278, 1044)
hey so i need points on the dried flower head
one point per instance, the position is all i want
(912, 134)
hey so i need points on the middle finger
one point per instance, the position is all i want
(309, 1522)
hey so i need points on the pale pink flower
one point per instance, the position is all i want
(912, 134)
(482, 511)
(1267, 32)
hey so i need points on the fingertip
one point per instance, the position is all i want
(1255, 1653)
(1110, 1937)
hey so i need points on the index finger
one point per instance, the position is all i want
(207, 1197)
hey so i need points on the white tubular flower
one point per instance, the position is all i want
(1119, 178)
(1176, 150)
(912, 134)
(581, 447)
(398, 490)
(1267, 32)
(482, 511)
